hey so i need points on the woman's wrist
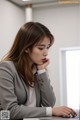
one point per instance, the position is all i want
(40, 67)
(41, 71)
(49, 111)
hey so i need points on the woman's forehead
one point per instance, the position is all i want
(44, 41)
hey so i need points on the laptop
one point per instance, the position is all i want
(52, 118)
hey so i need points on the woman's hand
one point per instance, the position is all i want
(63, 111)
(44, 65)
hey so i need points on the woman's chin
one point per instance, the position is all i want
(39, 63)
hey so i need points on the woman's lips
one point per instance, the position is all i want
(44, 60)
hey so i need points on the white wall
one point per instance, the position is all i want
(64, 23)
(11, 18)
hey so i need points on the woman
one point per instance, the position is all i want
(25, 88)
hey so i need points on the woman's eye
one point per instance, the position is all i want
(40, 48)
(48, 47)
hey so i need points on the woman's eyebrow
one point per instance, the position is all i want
(43, 45)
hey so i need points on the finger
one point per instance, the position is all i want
(65, 115)
(71, 111)
(67, 112)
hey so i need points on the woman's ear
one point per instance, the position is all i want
(26, 51)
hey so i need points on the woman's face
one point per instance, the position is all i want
(39, 52)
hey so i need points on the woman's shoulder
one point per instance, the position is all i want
(7, 65)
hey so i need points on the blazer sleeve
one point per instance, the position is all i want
(8, 98)
(47, 94)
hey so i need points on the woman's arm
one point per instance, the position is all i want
(47, 94)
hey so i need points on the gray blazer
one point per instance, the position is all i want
(14, 93)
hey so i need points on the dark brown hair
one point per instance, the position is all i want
(30, 33)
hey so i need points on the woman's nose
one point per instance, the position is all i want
(45, 52)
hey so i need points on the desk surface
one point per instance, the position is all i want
(51, 118)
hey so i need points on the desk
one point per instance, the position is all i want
(51, 118)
